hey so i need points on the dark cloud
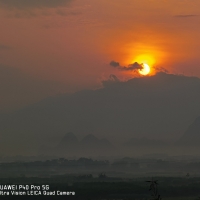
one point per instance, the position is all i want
(185, 16)
(21, 4)
(131, 67)
(134, 66)
(114, 64)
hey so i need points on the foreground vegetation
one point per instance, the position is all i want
(102, 187)
(125, 179)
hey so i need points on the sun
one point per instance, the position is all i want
(145, 71)
(147, 61)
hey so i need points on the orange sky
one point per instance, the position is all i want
(74, 43)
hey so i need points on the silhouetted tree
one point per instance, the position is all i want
(102, 175)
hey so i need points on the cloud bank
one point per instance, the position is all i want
(160, 106)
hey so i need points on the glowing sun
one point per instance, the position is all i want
(145, 70)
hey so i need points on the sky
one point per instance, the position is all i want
(50, 47)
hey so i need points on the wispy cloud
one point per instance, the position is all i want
(22, 4)
(185, 16)
(42, 13)
(65, 13)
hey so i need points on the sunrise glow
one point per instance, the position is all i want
(145, 58)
